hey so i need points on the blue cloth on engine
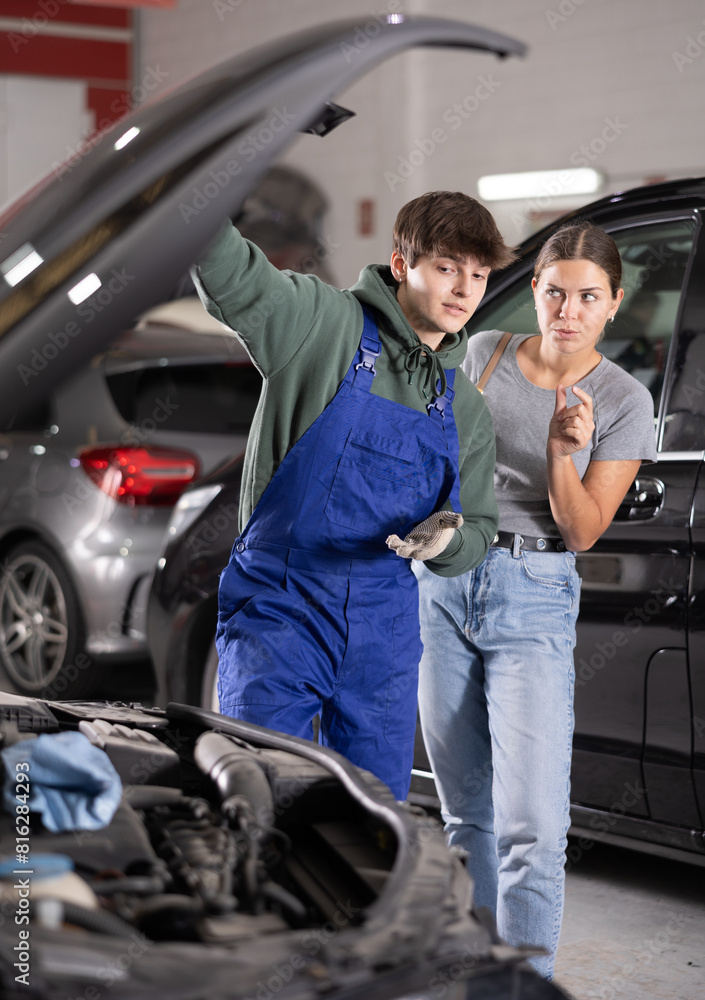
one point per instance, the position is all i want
(72, 784)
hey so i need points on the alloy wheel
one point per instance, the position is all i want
(33, 623)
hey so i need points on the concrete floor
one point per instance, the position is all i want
(633, 929)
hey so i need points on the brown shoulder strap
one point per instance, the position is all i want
(492, 363)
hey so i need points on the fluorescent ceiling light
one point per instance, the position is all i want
(21, 263)
(127, 137)
(86, 286)
(539, 184)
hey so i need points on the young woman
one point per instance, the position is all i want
(496, 685)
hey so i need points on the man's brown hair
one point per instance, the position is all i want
(449, 224)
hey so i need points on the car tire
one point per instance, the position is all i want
(42, 634)
(209, 683)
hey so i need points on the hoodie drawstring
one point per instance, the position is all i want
(424, 360)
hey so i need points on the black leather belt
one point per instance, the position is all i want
(508, 540)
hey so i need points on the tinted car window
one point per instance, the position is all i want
(655, 258)
(212, 399)
(683, 428)
(512, 309)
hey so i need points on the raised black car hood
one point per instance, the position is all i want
(137, 209)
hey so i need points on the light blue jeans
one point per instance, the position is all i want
(496, 703)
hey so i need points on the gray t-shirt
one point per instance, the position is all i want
(623, 412)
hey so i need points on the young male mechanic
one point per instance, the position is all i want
(363, 431)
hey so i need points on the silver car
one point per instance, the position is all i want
(88, 479)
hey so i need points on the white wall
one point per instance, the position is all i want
(617, 83)
(42, 121)
(601, 86)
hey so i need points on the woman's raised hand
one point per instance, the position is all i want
(571, 427)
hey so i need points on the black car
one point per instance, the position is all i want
(638, 775)
(176, 853)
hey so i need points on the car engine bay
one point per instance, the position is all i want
(237, 857)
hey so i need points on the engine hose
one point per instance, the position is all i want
(287, 900)
(151, 796)
(171, 903)
(138, 885)
(99, 921)
(249, 877)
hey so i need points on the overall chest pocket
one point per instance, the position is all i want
(380, 484)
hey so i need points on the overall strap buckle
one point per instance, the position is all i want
(368, 357)
(369, 350)
(439, 403)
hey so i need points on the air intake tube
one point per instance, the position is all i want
(236, 774)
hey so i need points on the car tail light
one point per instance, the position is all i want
(154, 476)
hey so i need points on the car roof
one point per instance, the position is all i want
(188, 313)
(179, 332)
(685, 187)
(161, 342)
(688, 191)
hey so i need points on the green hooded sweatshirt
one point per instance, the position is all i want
(302, 335)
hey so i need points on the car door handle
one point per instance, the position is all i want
(643, 501)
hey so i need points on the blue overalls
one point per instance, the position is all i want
(316, 614)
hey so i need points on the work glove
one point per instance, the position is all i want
(428, 539)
